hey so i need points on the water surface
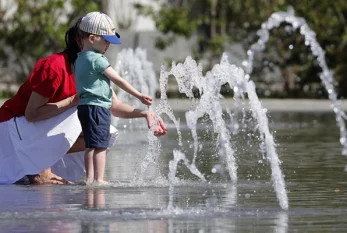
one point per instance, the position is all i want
(307, 144)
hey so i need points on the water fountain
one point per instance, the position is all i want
(189, 76)
(133, 66)
(297, 23)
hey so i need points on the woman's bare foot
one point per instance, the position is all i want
(47, 177)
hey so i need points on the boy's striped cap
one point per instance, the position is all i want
(100, 24)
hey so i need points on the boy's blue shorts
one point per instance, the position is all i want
(95, 122)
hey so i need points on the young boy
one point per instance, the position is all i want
(93, 74)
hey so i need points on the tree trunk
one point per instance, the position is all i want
(213, 18)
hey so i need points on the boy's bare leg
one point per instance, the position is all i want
(88, 163)
(99, 165)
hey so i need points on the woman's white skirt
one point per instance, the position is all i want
(71, 166)
(31, 147)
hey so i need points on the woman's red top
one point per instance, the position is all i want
(51, 77)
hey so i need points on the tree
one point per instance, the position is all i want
(32, 29)
(218, 22)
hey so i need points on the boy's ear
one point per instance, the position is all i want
(92, 38)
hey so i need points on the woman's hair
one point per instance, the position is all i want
(72, 41)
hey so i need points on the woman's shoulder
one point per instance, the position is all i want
(55, 58)
(56, 61)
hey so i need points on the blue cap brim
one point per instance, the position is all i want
(113, 39)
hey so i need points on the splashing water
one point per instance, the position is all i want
(189, 76)
(133, 66)
(326, 76)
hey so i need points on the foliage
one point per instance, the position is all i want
(218, 22)
(35, 28)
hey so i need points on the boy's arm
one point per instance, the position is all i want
(122, 83)
(123, 110)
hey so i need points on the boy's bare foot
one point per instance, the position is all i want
(100, 182)
(47, 177)
(88, 182)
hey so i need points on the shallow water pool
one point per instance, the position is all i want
(307, 144)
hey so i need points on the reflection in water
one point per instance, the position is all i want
(96, 201)
(231, 196)
(312, 166)
(95, 198)
(281, 222)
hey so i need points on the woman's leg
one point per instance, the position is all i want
(78, 146)
(48, 177)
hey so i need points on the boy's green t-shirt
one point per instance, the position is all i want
(93, 87)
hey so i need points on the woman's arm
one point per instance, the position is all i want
(38, 109)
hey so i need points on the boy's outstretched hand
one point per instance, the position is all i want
(147, 100)
(160, 129)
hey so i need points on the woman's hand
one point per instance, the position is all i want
(160, 128)
(74, 100)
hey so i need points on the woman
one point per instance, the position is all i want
(39, 125)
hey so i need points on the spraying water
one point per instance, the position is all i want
(188, 76)
(132, 66)
(326, 76)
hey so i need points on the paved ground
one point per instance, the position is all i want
(287, 105)
(301, 105)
